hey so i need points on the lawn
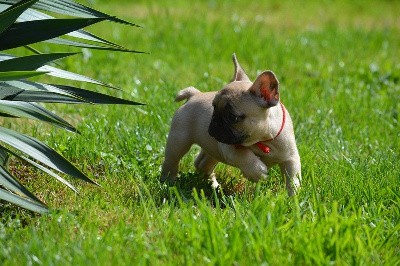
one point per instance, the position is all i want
(338, 65)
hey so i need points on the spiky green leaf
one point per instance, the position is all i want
(34, 111)
(71, 8)
(10, 183)
(40, 167)
(10, 15)
(51, 173)
(59, 73)
(30, 85)
(30, 62)
(3, 157)
(31, 14)
(41, 152)
(80, 95)
(15, 75)
(22, 202)
(25, 33)
(14, 94)
(90, 46)
(95, 97)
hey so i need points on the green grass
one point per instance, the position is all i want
(338, 64)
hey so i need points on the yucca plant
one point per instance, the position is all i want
(23, 23)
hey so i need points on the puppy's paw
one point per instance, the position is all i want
(256, 173)
(170, 180)
(213, 180)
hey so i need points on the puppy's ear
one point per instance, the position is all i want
(239, 75)
(266, 89)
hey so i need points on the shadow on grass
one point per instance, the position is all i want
(191, 185)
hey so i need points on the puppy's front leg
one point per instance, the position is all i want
(244, 159)
(291, 171)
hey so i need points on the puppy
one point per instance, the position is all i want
(243, 125)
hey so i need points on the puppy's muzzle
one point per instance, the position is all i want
(224, 133)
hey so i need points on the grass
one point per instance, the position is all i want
(339, 72)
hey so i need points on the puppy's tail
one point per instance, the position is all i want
(186, 94)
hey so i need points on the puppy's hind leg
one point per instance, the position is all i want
(177, 147)
(205, 164)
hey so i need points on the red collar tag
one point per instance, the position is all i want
(264, 148)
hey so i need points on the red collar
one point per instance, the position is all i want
(261, 145)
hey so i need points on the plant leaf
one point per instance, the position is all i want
(29, 85)
(51, 173)
(3, 156)
(12, 87)
(28, 32)
(24, 203)
(44, 169)
(15, 94)
(95, 97)
(81, 94)
(13, 75)
(90, 46)
(56, 72)
(41, 152)
(9, 182)
(59, 73)
(31, 14)
(70, 8)
(9, 91)
(10, 15)
(30, 62)
(42, 96)
(7, 115)
(34, 111)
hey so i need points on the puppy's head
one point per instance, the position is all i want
(241, 108)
